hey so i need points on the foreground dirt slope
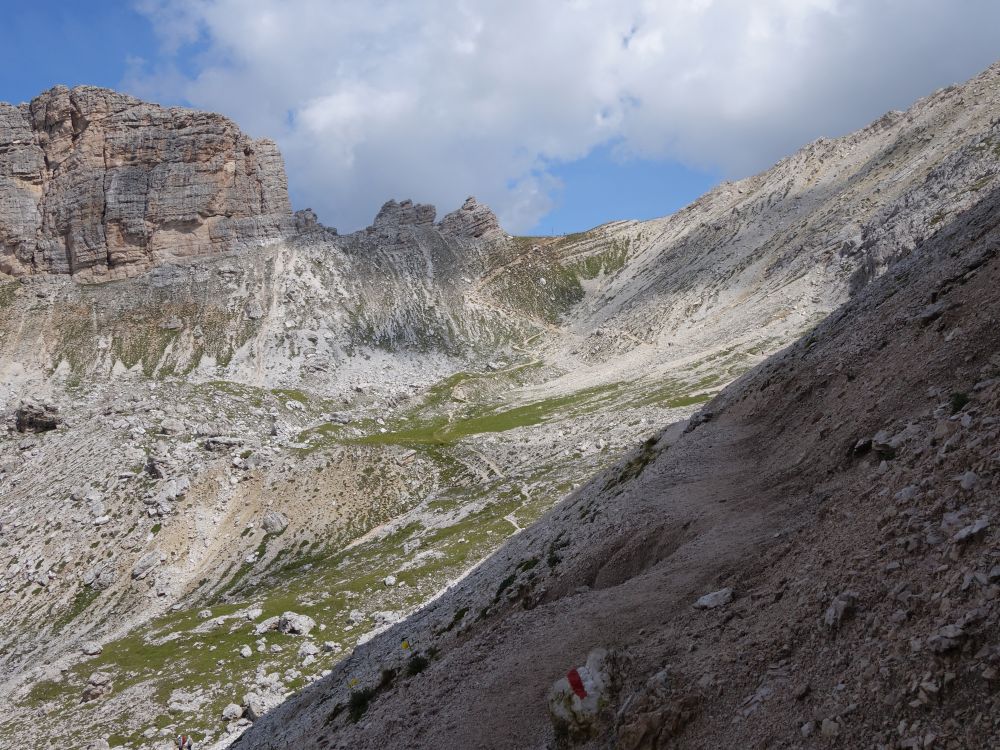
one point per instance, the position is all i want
(864, 570)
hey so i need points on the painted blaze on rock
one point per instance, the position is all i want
(577, 702)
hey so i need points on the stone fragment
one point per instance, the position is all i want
(182, 700)
(947, 638)
(265, 626)
(968, 480)
(657, 713)
(842, 606)
(972, 531)
(715, 599)
(171, 426)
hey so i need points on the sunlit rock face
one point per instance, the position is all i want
(101, 185)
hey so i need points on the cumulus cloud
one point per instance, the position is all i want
(439, 99)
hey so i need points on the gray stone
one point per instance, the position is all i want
(145, 564)
(715, 599)
(274, 522)
(182, 700)
(257, 704)
(295, 624)
(98, 685)
(265, 626)
(171, 426)
(842, 606)
(232, 712)
(968, 480)
(972, 531)
(946, 638)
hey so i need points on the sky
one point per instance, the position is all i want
(559, 114)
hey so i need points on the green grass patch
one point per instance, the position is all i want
(81, 601)
(291, 394)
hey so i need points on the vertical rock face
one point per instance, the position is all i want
(101, 185)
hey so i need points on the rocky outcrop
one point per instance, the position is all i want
(472, 220)
(101, 185)
(32, 417)
(407, 213)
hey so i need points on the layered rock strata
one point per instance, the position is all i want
(101, 185)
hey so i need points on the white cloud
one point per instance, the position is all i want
(439, 99)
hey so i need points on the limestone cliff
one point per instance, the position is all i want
(101, 185)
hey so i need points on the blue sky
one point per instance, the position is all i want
(602, 187)
(46, 42)
(560, 115)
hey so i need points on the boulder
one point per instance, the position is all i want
(274, 522)
(145, 564)
(171, 426)
(578, 702)
(266, 626)
(98, 685)
(232, 712)
(35, 417)
(256, 705)
(295, 624)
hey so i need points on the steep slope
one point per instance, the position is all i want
(768, 256)
(843, 491)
